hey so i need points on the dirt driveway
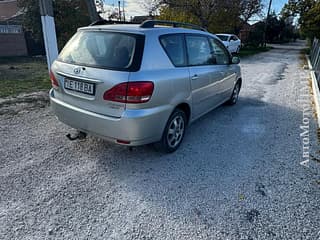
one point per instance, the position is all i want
(237, 174)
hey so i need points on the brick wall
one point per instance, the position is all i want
(12, 44)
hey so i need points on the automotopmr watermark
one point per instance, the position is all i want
(306, 116)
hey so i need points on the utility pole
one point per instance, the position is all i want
(92, 9)
(49, 31)
(124, 15)
(266, 25)
(119, 8)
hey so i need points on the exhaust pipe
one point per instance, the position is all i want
(79, 135)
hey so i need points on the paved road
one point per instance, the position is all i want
(236, 176)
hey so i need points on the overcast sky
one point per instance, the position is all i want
(133, 8)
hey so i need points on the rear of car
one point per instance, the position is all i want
(92, 91)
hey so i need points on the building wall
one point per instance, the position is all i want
(13, 44)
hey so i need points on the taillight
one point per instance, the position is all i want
(139, 92)
(131, 92)
(53, 79)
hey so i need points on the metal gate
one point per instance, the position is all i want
(315, 58)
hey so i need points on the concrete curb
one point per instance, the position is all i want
(315, 89)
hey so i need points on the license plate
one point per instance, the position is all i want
(78, 86)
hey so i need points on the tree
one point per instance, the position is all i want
(256, 35)
(310, 22)
(200, 10)
(69, 15)
(216, 15)
(31, 17)
(151, 6)
(308, 12)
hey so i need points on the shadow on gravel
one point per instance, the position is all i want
(226, 145)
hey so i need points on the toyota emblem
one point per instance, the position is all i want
(77, 70)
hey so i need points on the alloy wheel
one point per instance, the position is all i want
(175, 131)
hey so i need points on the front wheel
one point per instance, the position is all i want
(235, 94)
(174, 131)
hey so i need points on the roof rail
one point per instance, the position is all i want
(106, 22)
(152, 23)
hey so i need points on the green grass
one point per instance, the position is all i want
(249, 51)
(23, 75)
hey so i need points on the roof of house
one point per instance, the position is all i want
(8, 9)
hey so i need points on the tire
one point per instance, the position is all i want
(235, 94)
(174, 132)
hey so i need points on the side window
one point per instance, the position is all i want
(220, 54)
(199, 51)
(174, 47)
(234, 38)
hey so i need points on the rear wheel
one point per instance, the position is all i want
(174, 131)
(235, 94)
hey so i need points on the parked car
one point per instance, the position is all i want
(231, 41)
(139, 84)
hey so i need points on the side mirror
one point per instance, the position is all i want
(235, 60)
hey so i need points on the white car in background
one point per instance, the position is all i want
(231, 41)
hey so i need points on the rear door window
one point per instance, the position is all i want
(199, 51)
(173, 45)
(101, 49)
(220, 54)
(234, 38)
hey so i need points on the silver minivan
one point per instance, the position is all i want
(139, 84)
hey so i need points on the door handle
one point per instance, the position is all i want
(195, 77)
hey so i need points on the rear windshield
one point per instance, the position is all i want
(101, 49)
(223, 37)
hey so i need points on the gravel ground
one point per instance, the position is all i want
(237, 174)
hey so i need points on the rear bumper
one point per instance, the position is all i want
(139, 127)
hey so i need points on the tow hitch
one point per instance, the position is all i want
(79, 135)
